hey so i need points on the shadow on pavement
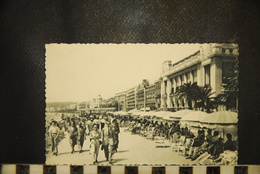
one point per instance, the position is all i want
(118, 160)
(102, 161)
(122, 151)
(64, 153)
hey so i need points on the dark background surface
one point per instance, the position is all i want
(26, 26)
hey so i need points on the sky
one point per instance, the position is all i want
(81, 72)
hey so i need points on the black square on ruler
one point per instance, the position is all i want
(131, 170)
(49, 169)
(185, 170)
(213, 170)
(76, 169)
(22, 169)
(104, 170)
(158, 170)
(241, 170)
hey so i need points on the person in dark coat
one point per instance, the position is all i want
(209, 136)
(107, 136)
(217, 145)
(116, 130)
(197, 142)
(229, 144)
(72, 130)
(81, 135)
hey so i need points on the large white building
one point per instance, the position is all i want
(208, 66)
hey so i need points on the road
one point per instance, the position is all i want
(133, 149)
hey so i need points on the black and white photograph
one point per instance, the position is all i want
(136, 104)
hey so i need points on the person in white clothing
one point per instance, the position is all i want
(54, 134)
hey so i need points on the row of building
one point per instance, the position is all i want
(144, 95)
(211, 65)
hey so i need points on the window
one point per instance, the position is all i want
(188, 77)
(194, 76)
(227, 71)
(181, 78)
(207, 74)
(177, 81)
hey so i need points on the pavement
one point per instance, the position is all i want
(132, 150)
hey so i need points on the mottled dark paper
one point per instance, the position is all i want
(26, 26)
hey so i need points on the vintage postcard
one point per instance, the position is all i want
(136, 104)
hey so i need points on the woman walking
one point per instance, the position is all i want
(81, 136)
(94, 143)
(72, 130)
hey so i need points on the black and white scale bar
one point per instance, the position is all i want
(118, 169)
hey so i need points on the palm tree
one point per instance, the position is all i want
(188, 92)
(230, 84)
(202, 95)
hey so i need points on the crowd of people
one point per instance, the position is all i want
(196, 145)
(102, 131)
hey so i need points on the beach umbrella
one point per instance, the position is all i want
(168, 118)
(223, 121)
(181, 113)
(146, 109)
(133, 110)
(136, 113)
(163, 113)
(148, 114)
(195, 116)
(221, 117)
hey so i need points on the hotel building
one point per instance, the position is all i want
(137, 97)
(210, 65)
(121, 99)
(131, 98)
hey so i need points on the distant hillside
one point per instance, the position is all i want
(59, 104)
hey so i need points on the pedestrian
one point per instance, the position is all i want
(116, 131)
(107, 141)
(54, 134)
(102, 122)
(94, 143)
(89, 125)
(81, 135)
(72, 130)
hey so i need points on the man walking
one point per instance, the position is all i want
(54, 134)
(107, 141)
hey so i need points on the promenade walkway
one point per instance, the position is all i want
(133, 149)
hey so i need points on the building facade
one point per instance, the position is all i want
(121, 101)
(97, 102)
(210, 66)
(153, 96)
(140, 97)
(148, 95)
(131, 99)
